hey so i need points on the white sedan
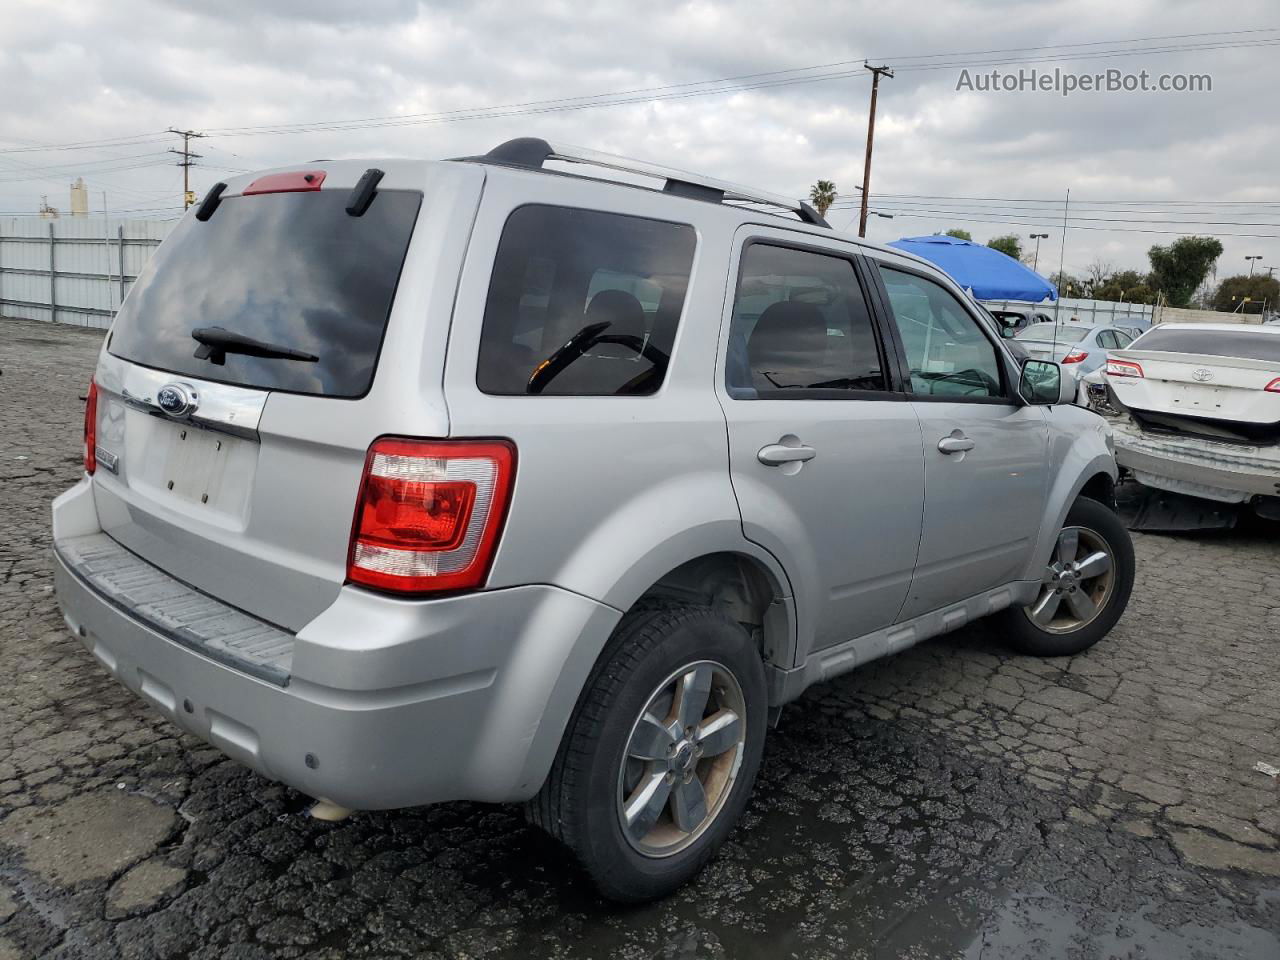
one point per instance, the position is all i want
(1195, 409)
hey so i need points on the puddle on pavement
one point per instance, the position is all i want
(1040, 925)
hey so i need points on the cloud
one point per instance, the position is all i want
(80, 71)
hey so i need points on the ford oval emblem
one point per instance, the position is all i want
(176, 399)
(1202, 374)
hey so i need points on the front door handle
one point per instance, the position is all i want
(956, 442)
(775, 454)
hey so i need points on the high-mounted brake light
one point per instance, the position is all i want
(1273, 386)
(1124, 368)
(91, 429)
(296, 181)
(430, 513)
(1075, 356)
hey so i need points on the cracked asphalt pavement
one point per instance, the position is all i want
(953, 801)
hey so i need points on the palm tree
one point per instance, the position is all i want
(823, 195)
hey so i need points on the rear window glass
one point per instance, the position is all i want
(583, 303)
(292, 270)
(1252, 344)
(1045, 332)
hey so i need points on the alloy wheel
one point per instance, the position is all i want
(1076, 584)
(682, 759)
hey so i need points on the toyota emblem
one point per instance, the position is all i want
(1202, 374)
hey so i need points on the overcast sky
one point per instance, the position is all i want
(80, 71)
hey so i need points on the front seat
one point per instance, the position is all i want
(788, 347)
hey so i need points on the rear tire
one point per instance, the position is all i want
(1085, 589)
(624, 790)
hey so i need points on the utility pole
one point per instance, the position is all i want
(186, 163)
(876, 72)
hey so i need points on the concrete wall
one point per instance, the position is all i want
(72, 270)
(1181, 315)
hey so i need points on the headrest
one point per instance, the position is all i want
(789, 334)
(620, 309)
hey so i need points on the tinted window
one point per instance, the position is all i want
(290, 269)
(1213, 343)
(1107, 340)
(800, 328)
(583, 303)
(947, 353)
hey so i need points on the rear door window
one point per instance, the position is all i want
(292, 270)
(583, 303)
(801, 329)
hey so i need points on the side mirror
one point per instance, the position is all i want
(1007, 331)
(1043, 382)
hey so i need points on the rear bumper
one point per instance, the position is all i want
(1199, 468)
(390, 703)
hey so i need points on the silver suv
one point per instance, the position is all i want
(411, 482)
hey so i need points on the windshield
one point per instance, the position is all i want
(1212, 343)
(1045, 332)
(291, 270)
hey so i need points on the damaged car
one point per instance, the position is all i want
(1195, 412)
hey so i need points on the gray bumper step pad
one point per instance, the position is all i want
(179, 612)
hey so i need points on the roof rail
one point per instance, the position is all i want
(533, 152)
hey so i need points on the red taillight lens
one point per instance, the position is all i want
(1124, 368)
(1075, 356)
(1273, 386)
(91, 429)
(429, 514)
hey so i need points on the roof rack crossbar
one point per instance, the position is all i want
(533, 152)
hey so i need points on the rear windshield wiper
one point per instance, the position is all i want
(216, 343)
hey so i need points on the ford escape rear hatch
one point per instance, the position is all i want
(281, 295)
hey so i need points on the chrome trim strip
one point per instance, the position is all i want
(222, 407)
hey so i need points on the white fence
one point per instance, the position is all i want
(1088, 311)
(72, 270)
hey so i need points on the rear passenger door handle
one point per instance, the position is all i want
(775, 454)
(956, 442)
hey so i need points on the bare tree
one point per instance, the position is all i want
(1097, 274)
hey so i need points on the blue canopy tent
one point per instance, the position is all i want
(988, 274)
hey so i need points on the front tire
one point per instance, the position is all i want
(659, 758)
(1085, 587)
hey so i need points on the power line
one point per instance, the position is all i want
(1038, 215)
(946, 216)
(1050, 200)
(732, 84)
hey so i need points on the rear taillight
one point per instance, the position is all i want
(1075, 356)
(1273, 386)
(91, 429)
(1124, 368)
(429, 514)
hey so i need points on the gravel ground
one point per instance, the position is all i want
(953, 801)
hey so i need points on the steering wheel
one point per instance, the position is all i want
(582, 341)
